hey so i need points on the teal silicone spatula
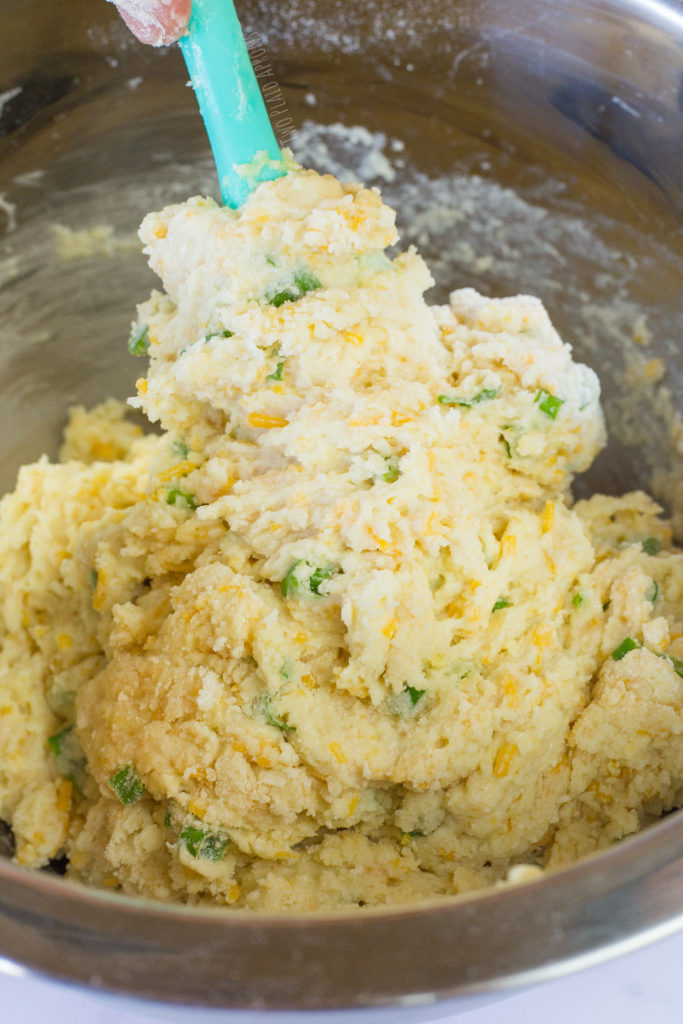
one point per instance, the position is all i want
(229, 99)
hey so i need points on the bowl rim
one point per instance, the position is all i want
(496, 940)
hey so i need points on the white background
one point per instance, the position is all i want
(645, 987)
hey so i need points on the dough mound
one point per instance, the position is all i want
(338, 636)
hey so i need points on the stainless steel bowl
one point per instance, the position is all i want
(532, 146)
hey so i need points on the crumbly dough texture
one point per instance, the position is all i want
(338, 636)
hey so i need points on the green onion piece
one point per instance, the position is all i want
(651, 545)
(579, 599)
(218, 334)
(277, 372)
(296, 582)
(279, 299)
(414, 694)
(415, 834)
(94, 576)
(629, 644)
(676, 663)
(392, 471)
(486, 394)
(56, 741)
(306, 281)
(502, 602)
(167, 819)
(285, 669)
(67, 751)
(318, 577)
(262, 706)
(652, 592)
(127, 784)
(506, 444)
(176, 496)
(548, 403)
(270, 261)
(200, 842)
(138, 343)
(180, 448)
(289, 584)
(66, 747)
(404, 703)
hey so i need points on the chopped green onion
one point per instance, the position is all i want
(289, 584)
(651, 545)
(548, 403)
(502, 602)
(56, 741)
(403, 705)
(304, 281)
(415, 834)
(486, 394)
(167, 819)
(392, 471)
(180, 448)
(652, 592)
(127, 784)
(285, 669)
(176, 496)
(296, 581)
(262, 706)
(629, 644)
(270, 261)
(506, 444)
(66, 748)
(318, 577)
(287, 295)
(201, 842)
(138, 343)
(218, 334)
(677, 664)
(94, 576)
(579, 599)
(277, 372)
(414, 695)
(605, 605)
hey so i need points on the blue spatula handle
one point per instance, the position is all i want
(229, 98)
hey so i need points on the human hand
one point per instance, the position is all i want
(157, 22)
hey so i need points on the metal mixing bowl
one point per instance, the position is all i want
(531, 146)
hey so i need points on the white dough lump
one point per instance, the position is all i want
(338, 636)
